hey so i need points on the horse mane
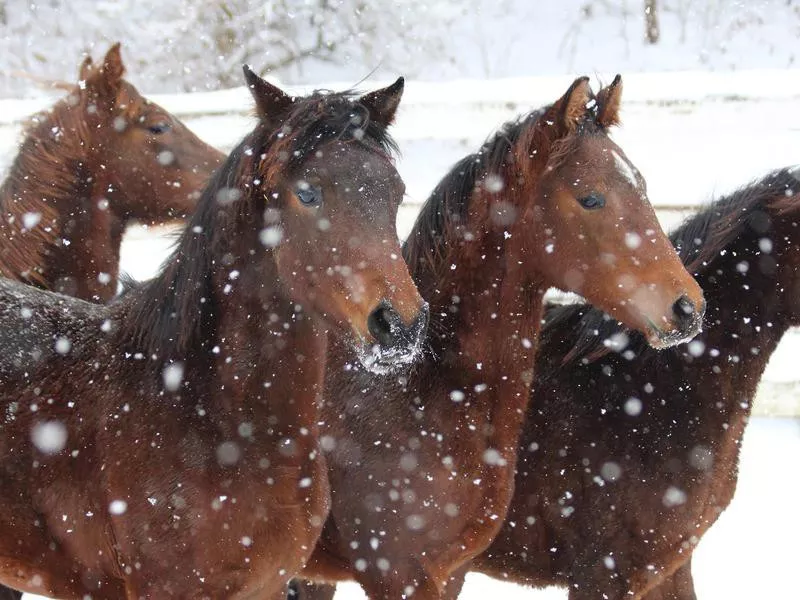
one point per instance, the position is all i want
(442, 217)
(175, 313)
(445, 210)
(46, 171)
(698, 241)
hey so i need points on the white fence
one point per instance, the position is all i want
(692, 135)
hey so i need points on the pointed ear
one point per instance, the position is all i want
(571, 107)
(113, 69)
(104, 82)
(85, 70)
(271, 101)
(382, 104)
(608, 101)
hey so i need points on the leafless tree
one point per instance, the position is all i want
(652, 32)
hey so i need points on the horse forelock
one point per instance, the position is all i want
(312, 122)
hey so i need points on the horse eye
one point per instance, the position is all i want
(309, 195)
(593, 201)
(158, 128)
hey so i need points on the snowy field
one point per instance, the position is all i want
(692, 135)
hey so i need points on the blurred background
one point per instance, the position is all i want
(198, 45)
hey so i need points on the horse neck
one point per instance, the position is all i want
(270, 357)
(223, 314)
(742, 327)
(50, 178)
(486, 307)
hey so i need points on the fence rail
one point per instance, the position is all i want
(691, 134)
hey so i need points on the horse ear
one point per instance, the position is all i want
(608, 101)
(113, 69)
(85, 70)
(382, 104)
(572, 105)
(271, 101)
(104, 82)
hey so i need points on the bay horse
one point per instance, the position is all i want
(102, 157)
(422, 465)
(629, 455)
(166, 445)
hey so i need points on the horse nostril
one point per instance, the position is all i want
(382, 324)
(684, 311)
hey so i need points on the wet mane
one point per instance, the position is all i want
(698, 241)
(174, 314)
(46, 171)
(447, 206)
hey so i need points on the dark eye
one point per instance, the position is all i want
(158, 128)
(309, 195)
(593, 201)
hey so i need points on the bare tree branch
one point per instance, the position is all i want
(652, 31)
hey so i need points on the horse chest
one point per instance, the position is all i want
(468, 498)
(232, 525)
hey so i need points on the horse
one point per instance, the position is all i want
(629, 455)
(166, 444)
(83, 174)
(421, 465)
(102, 157)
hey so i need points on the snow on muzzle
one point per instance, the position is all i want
(398, 344)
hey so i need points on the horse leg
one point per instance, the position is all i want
(455, 583)
(591, 578)
(679, 586)
(300, 589)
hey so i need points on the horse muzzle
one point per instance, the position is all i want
(397, 344)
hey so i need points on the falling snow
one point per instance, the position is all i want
(50, 437)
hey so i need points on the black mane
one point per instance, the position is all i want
(449, 202)
(698, 241)
(174, 314)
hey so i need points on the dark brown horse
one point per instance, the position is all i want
(100, 158)
(166, 445)
(629, 456)
(422, 465)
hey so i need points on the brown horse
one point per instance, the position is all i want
(99, 159)
(422, 466)
(628, 457)
(166, 445)
(83, 174)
